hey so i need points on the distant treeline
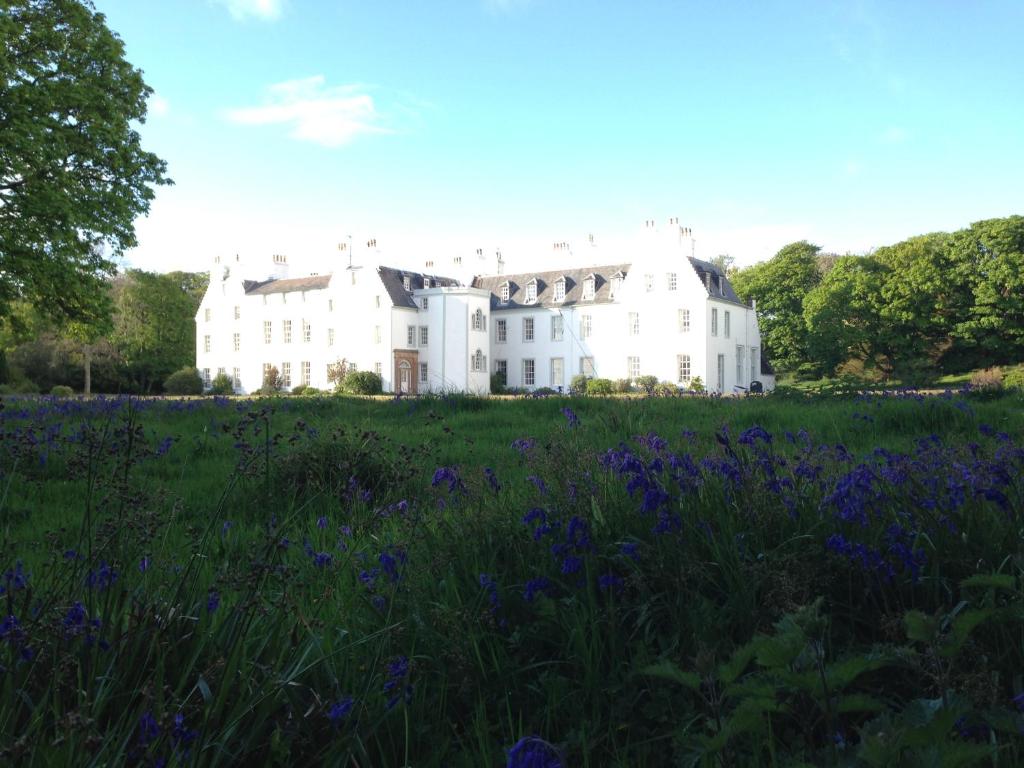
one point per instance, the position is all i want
(937, 303)
(143, 330)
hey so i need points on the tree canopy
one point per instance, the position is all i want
(73, 174)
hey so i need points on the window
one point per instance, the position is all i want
(527, 329)
(303, 295)
(206, 377)
(423, 335)
(426, 282)
(714, 322)
(528, 373)
(266, 371)
(586, 326)
(531, 292)
(721, 373)
(238, 312)
(500, 331)
(588, 288)
(727, 324)
(587, 366)
(207, 314)
(406, 283)
(307, 332)
(684, 321)
(560, 289)
(376, 302)
(236, 340)
(478, 361)
(504, 295)
(670, 281)
(286, 375)
(423, 373)
(632, 368)
(634, 323)
(683, 366)
(284, 298)
(477, 320)
(305, 372)
(426, 303)
(557, 327)
(754, 372)
(353, 277)
(649, 282)
(330, 304)
(557, 372)
(616, 286)
(739, 365)
(410, 335)
(266, 332)
(206, 343)
(376, 334)
(377, 368)
(236, 378)
(264, 299)
(330, 337)
(286, 330)
(501, 369)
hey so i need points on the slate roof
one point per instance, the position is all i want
(546, 286)
(715, 281)
(393, 280)
(287, 285)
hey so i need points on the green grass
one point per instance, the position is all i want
(790, 642)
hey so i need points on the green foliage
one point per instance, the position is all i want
(73, 174)
(1013, 378)
(696, 384)
(666, 389)
(61, 391)
(578, 384)
(647, 383)
(622, 386)
(222, 385)
(498, 383)
(600, 387)
(272, 383)
(362, 383)
(186, 381)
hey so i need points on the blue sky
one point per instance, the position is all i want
(439, 127)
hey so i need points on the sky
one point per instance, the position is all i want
(436, 127)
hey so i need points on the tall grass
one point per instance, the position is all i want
(459, 581)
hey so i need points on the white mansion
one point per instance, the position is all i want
(661, 313)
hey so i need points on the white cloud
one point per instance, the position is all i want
(157, 105)
(330, 116)
(268, 10)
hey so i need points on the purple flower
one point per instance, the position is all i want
(448, 475)
(524, 445)
(571, 417)
(533, 752)
(322, 560)
(212, 601)
(182, 735)
(539, 586)
(143, 565)
(321, 522)
(149, 729)
(101, 578)
(341, 709)
(609, 582)
(396, 686)
(492, 479)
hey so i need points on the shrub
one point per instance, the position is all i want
(184, 382)
(362, 383)
(299, 389)
(623, 386)
(222, 385)
(543, 392)
(666, 389)
(338, 371)
(60, 390)
(987, 380)
(578, 384)
(272, 383)
(647, 383)
(1014, 377)
(498, 383)
(696, 384)
(308, 390)
(600, 387)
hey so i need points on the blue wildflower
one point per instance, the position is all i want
(341, 709)
(571, 417)
(533, 752)
(212, 601)
(149, 729)
(539, 586)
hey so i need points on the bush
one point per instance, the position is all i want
(299, 389)
(362, 383)
(647, 383)
(498, 384)
(187, 381)
(543, 392)
(309, 390)
(1014, 377)
(222, 385)
(622, 386)
(271, 381)
(696, 384)
(666, 389)
(987, 380)
(61, 390)
(600, 387)
(578, 384)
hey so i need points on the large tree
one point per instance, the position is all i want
(779, 286)
(73, 174)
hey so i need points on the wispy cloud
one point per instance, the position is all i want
(330, 116)
(268, 10)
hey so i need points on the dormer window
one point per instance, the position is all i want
(589, 283)
(560, 289)
(504, 292)
(426, 282)
(616, 284)
(407, 282)
(531, 292)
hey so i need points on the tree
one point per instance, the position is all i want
(779, 286)
(73, 174)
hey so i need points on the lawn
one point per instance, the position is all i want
(457, 581)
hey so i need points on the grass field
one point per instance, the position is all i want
(453, 581)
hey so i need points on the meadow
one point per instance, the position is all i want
(458, 581)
